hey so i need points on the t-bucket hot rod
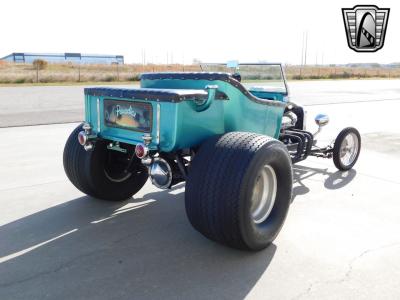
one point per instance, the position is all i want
(233, 144)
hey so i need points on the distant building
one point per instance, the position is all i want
(64, 58)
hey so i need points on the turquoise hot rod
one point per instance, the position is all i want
(229, 131)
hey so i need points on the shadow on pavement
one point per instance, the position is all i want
(334, 180)
(141, 248)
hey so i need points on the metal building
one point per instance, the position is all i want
(64, 58)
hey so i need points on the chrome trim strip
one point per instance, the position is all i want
(98, 114)
(158, 123)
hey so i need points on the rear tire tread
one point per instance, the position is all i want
(214, 185)
(84, 170)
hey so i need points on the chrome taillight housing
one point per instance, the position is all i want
(141, 150)
(86, 138)
(82, 138)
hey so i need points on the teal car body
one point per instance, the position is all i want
(184, 109)
(232, 143)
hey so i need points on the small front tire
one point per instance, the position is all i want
(346, 148)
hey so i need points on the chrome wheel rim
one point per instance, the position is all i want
(264, 194)
(115, 167)
(349, 149)
(117, 178)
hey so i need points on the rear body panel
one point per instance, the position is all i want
(241, 113)
(175, 125)
(175, 122)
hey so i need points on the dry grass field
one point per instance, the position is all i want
(340, 72)
(11, 73)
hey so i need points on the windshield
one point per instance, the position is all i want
(256, 77)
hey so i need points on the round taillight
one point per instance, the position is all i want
(141, 150)
(82, 138)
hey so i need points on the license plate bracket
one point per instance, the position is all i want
(130, 115)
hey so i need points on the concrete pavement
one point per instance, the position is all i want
(341, 238)
(32, 105)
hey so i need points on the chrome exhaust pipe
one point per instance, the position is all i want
(160, 173)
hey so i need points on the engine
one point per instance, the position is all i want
(289, 120)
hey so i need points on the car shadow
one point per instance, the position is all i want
(333, 180)
(136, 249)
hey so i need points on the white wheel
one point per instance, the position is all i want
(264, 194)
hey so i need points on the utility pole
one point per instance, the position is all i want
(302, 51)
(302, 54)
(305, 51)
(37, 73)
(143, 56)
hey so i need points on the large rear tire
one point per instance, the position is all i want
(239, 189)
(102, 173)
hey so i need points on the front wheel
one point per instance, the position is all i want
(239, 189)
(346, 148)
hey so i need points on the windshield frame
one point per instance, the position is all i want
(253, 64)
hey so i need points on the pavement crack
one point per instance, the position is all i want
(347, 274)
(358, 257)
(306, 292)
